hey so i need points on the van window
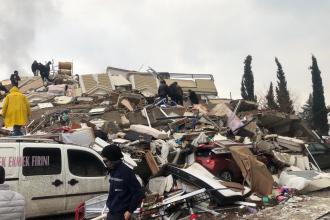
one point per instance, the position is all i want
(85, 164)
(42, 161)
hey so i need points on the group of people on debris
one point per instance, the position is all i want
(16, 107)
(175, 92)
(43, 70)
(126, 192)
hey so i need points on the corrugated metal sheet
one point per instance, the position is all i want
(88, 82)
(99, 90)
(145, 82)
(183, 83)
(32, 84)
(119, 80)
(104, 80)
(205, 85)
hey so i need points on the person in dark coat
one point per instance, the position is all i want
(163, 89)
(193, 97)
(179, 95)
(44, 71)
(14, 78)
(3, 88)
(34, 68)
(125, 193)
(176, 93)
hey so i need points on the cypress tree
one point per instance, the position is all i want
(247, 83)
(282, 93)
(307, 113)
(320, 120)
(271, 104)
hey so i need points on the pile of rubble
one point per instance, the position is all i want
(175, 149)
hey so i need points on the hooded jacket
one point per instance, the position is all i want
(11, 204)
(16, 108)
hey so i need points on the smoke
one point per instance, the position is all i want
(19, 23)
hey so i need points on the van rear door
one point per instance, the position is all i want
(42, 180)
(85, 175)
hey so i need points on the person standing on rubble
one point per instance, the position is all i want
(163, 90)
(180, 94)
(14, 78)
(44, 71)
(34, 68)
(176, 93)
(16, 110)
(125, 193)
(193, 97)
(12, 203)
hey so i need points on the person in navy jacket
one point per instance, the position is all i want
(125, 193)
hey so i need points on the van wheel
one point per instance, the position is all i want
(226, 176)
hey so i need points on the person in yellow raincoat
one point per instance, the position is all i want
(16, 110)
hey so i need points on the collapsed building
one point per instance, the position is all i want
(272, 151)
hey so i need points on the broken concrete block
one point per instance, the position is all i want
(113, 116)
(150, 131)
(96, 111)
(98, 122)
(160, 184)
(265, 146)
(31, 84)
(62, 100)
(201, 109)
(126, 104)
(124, 121)
(85, 99)
(293, 144)
(220, 110)
(45, 105)
(137, 118)
(57, 90)
(39, 97)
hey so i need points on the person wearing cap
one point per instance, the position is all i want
(125, 193)
(14, 78)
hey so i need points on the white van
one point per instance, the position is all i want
(53, 177)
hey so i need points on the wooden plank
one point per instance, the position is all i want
(151, 163)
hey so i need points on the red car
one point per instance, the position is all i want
(219, 162)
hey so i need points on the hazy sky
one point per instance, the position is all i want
(185, 36)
